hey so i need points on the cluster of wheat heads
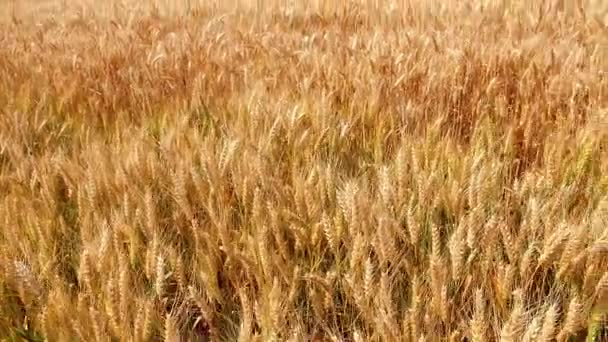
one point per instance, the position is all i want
(419, 171)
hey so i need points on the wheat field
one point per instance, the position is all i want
(304, 171)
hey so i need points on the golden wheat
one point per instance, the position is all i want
(325, 170)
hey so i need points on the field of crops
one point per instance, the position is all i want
(306, 171)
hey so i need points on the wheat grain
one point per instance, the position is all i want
(549, 329)
(573, 320)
